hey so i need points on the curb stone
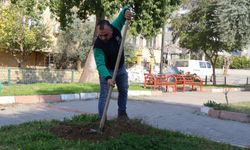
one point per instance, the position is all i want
(67, 97)
(235, 116)
(7, 100)
(87, 96)
(70, 97)
(223, 89)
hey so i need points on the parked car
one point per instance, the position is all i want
(198, 67)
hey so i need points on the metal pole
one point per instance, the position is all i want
(9, 75)
(206, 80)
(225, 80)
(72, 76)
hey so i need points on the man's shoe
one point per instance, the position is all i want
(122, 115)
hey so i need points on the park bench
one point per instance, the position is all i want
(149, 80)
(191, 80)
(174, 80)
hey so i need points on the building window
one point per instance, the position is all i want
(49, 60)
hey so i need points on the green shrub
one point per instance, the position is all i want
(240, 63)
(236, 62)
(219, 62)
(215, 105)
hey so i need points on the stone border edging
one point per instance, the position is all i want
(66, 97)
(241, 117)
(7, 100)
(223, 89)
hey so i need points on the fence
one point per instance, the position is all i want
(15, 75)
(229, 80)
(234, 77)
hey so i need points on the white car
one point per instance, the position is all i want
(198, 67)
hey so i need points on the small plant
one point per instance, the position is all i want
(215, 105)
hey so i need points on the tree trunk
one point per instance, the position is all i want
(213, 62)
(90, 74)
(78, 64)
(214, 76)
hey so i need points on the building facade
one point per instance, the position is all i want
(39, 58)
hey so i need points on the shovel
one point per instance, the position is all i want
(104, 115)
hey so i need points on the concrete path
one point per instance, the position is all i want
(173, 111)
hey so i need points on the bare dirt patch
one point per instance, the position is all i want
(112, 129)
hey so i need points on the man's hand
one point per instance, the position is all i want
(111, 83)
(128, 15)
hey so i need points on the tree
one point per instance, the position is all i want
(149, 14)
(85, 8)
(74, 43)
(234, 22)
(196, 32)
(20, 34)
(214, 26)
(130, 53)
(31, 8)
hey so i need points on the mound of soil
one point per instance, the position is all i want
(112, 129)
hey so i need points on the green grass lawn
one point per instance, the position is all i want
(223, 86)
(38, 136)
(51, 88)
(241, 107)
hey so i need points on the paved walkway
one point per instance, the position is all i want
(174, 111)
